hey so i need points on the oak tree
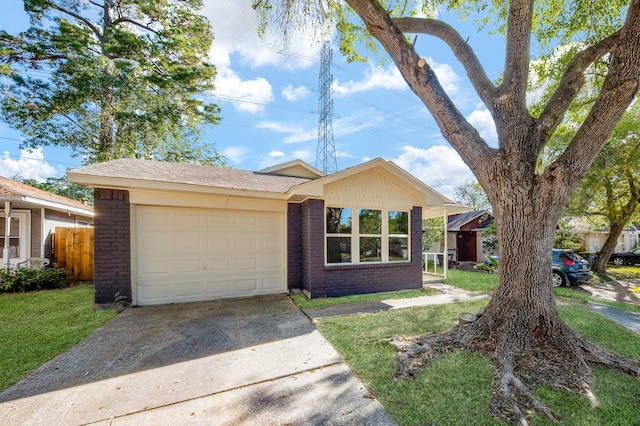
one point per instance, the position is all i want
(111, 78)
(520, 331)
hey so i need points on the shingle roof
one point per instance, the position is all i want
(10, 189)
(456, 221)
(191, 174)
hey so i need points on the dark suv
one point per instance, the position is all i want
(569, 268)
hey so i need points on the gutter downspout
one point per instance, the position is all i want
(6, 251)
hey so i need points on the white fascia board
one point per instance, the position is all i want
(58, 206)
(130, 184)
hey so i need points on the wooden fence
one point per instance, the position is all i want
(73, 251)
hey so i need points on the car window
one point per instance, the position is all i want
(571, 255)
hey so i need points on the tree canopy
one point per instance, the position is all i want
(520, 331)
(111, 79)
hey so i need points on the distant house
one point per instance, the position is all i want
(34, 214)
(464, 233)
(593, 236)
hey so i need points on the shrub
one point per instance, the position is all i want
(23, 279)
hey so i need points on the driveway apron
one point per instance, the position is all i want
(228, 362)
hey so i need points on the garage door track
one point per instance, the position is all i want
(237, 361)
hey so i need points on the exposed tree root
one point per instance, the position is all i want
(558, 358)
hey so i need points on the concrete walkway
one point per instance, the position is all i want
(447, 294)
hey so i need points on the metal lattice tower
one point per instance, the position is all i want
(326, 152)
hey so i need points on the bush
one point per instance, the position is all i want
(23, 279)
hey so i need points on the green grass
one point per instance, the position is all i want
(472, 281)
(37, 326)
(615, 273)
(455, 389)
(304, 303)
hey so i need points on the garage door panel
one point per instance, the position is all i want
(217, 254)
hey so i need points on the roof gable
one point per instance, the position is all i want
(295, 168)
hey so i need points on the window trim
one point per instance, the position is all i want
(355, 236)
(24, 237)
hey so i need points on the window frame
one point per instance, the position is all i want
(355, 236)
(24, 237)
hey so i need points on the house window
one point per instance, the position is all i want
(18, 238)
(339, 224)
(398, 236)
(366, 235)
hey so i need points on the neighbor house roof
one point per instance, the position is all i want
(120, 173)
(455, 222)
(28, 196)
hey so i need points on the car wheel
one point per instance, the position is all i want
(557, 279)
(618, 261)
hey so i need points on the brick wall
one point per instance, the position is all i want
(112, 246)
(294, 246)
(339, 280)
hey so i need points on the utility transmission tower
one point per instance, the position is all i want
(326, 152)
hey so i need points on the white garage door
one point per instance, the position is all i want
(186, 255)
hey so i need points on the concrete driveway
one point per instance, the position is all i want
(256, 361)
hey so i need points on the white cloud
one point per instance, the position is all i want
(246, 95)
(31, 165)
(390, 79)
(343, 154)
(439, 166)
(304, 155)
(483, 122)
(294, 94)
(236, 154)
(235, 30)
(296, 133)
(374, 78)
(271, 159)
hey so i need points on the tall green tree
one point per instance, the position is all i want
(111, 79)
(521, 331)
(61, 186)
(472, 195)
(611, 189)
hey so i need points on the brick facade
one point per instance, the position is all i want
(294, 246)
(112, 246)
(319, 280)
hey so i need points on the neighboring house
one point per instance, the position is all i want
(464, 235)
(174, 232)
(593, 237)
(34, 215)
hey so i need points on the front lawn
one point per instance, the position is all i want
(455, 389)
(37, 326)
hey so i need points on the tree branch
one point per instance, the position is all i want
(460, 48)
(135, 23)
(516, 67)
(571, 82)
(80, 18)
(619, 90)
(423, 81)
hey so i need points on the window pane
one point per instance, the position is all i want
(338, 220)
(370, 221)
(370, 249)
(398, 248)
(338, 249)
(398, 222)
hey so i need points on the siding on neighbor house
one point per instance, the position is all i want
(338, 280)
(112, 246)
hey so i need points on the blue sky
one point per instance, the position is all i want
(269, 102)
